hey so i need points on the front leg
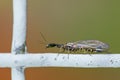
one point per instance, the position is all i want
(61, 50)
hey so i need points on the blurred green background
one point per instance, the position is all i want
(63, 21)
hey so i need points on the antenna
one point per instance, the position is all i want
(43, 37)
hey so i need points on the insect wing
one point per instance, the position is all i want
(81, 45)
(96, 44)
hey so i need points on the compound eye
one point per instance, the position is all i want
(47, 46)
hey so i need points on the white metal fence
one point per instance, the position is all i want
(18, 60)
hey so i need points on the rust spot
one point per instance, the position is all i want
(76, 63)
(63, 57)
(16, 61)
(111, 61)
(42, 57)
(88, 64)
(90, 61)
(55, 59)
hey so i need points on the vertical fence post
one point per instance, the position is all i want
(19, 36)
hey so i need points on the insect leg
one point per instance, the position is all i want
(84, 50)
(61, 50)
(76, 50)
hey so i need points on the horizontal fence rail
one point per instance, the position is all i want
(60, 60)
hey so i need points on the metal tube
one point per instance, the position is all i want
(19, 36)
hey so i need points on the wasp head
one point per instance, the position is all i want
(50, 45)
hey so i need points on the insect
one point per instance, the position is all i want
(82, 46)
